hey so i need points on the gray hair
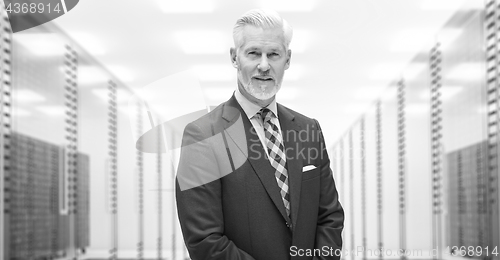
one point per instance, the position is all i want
(261, 18)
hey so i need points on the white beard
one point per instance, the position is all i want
(261, 92)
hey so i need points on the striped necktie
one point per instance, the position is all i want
(277, 157)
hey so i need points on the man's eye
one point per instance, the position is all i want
(274, 54)
(252, 53)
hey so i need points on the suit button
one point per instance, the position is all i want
(288, 225)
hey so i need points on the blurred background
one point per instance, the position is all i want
(406, 93)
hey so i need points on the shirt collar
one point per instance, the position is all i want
(252, 109)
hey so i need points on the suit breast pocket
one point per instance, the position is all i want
(312, 174)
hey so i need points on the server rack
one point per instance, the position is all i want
(82, 202)
(455, 116)
(467, 182)
(492, 36)
(5, 130)
(38, 228)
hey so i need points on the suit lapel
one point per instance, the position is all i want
(290, 131)
(256, 154)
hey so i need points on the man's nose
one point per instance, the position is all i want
(263, 64)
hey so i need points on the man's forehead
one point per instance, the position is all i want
(255, 37)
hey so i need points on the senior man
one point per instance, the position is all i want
(278, 199)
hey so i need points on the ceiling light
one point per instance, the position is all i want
(469, 71)
(356, 109)
(389, 94)
(447, 93)
(19, 112)
(121, 95)
(368, 93)
(90, 75)
(124, 108)
(413, 70)
(51, 110)
(474, 5)
(443, 5)
(386, 71)
(290, 5)
(122, 73)
(28, 96)
(448, 36)
(41, 44)
(482, 109)
(417, 109)
(186, 6)
(142, 94)
(89, 42)
(412, 40)
(203, 42)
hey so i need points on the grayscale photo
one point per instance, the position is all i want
(249, 130)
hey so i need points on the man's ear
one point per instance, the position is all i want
(288, 58)
(232, 54)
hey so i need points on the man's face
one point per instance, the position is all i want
(261, 61)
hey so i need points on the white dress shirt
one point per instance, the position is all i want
(252, 111)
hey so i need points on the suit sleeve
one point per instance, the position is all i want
(200, 208)
(331, 213)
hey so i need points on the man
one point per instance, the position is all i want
(254, 180)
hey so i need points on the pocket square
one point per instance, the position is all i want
(308, 168)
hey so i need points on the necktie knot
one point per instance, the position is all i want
(266, 114)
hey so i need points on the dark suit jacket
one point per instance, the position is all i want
(241, 215)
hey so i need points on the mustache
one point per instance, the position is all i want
(262, 75)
